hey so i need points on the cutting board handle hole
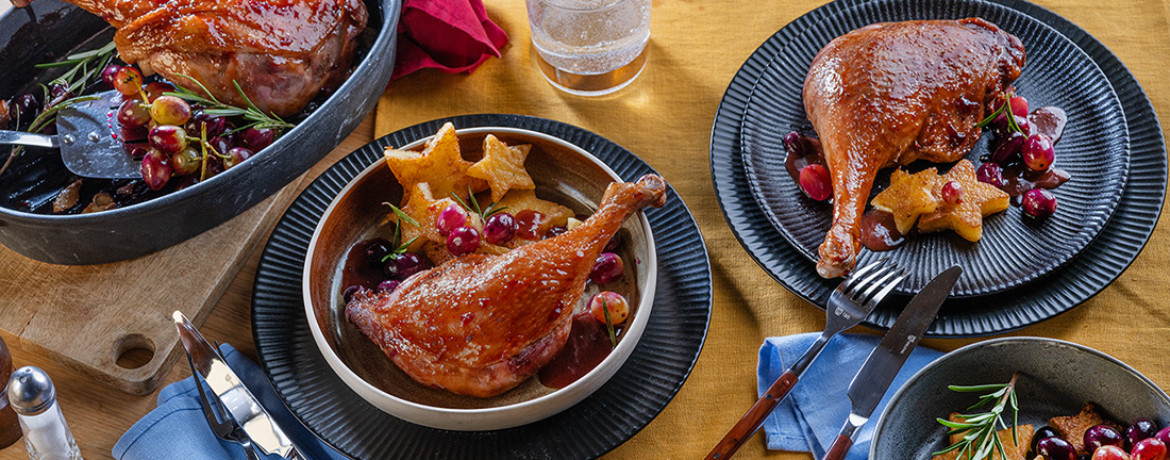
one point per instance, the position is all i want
(133, 351)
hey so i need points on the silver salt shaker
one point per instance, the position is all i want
(33, 397)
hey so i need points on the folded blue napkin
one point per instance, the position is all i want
(812, 415)
(177, 429)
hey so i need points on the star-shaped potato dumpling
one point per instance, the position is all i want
(423, 208)
(908, 196)
(502, 167)
(978, 200)
(439, 164)
(518, 201)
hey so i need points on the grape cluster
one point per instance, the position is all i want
(1016, 144)
(175, 139)
(1142, 440)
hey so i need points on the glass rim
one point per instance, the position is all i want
(562, 4)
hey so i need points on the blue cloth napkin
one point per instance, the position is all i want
(177, 429)
(816, 408)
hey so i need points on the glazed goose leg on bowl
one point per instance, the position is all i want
(480, 324)
(282, 52)
(893, 93)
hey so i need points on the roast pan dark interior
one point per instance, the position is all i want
(49, 28)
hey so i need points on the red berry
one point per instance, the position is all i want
(1110, 453)
(127, 81)
(990, 173)
(109, 73)
(1038, 152)
(170, 110)
(235, 156)
(463, 240)
(815, 182)
(952, 192)
(607, 269)
(156, 170)
(619, 308)
(451, 218)
(156, 89)
(167, 138)
(1019, 106)
(1149, 449)
(1040, 202)
(500, 228)
(132, 114)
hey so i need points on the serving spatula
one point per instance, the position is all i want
(87, 135)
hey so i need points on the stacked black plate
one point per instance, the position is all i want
(1102, 225)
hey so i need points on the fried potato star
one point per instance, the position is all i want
(424, 209)
(439, 164)
(502, 167)
(909, 196)
(978, 200)
(518, 201)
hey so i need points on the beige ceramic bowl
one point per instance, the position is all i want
(564, 173)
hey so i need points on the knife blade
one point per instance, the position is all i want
(884, 362)
(229, 388)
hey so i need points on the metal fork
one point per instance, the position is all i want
(851, 302)
(221, 422)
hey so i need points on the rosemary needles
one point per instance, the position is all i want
(979, 429)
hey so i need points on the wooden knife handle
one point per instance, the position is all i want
(751, 421)
(839, 448)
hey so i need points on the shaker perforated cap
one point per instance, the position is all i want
(31, 391)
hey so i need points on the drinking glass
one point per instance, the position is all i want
(590, 47)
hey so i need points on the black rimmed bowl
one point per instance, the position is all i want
(51, 27)
(1056, 378)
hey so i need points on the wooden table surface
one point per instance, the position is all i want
(665, 117)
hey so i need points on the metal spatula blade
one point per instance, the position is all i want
(86, 136)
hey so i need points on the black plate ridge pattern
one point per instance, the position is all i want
(641, 389)
(1101, 262)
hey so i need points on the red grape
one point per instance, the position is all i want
(402, 266)
(1040, 202)
(349, 292)
(1007, 148)
(607, 269)
(156, 89)
(1149, 449)
(952, 192)
(450, 218)
(1164, 435)
(794, 143)
(815, 182)
(236, 156)
(1056, 448)
(24, 107)
(216, 126)
(388, 285)
(186, 161)
(167, 138)
(59, 92)
(257, 139)
(1019, 106)
(1038, 152)
(170, 110)
(1138, 430)
(109, 73)
(619, 308)
(990, 173)
(132, 114)
(1109, 452)
(500, 228)
(463, 240)
(1100, 435)
(127, 81)
(156, 170)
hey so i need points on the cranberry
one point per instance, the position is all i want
(607, 269)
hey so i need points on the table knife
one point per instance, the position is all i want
(233, 395)
(883, 364)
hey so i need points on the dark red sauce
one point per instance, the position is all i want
(358, 271)
(809, 152)
(529, 223)
(587, 346)
(1018, 179)
(879, 232)
(1049, 121)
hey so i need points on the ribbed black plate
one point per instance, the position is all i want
(1102, 261)
(631, 399)
(1015, 251)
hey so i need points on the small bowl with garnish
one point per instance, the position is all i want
(371, 240)
(1052, 379)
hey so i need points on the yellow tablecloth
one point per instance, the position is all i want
(665, 117)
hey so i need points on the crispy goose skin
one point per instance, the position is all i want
(479, 325)
(892, 93)
(282, 52)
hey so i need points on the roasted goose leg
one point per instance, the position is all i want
(281, 52)
(479, 325)
(892, 93)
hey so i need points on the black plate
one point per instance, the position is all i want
(631, 399)
(1017, 250)
(1116, 246)
(51, 27)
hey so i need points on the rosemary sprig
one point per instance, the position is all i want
(402, 215)
(979, 429)
(396, 240)
(256, 118)
(474, 205)
(85, 66)
(608, 323)
(1011, 116)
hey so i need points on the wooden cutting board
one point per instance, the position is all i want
(87, 317)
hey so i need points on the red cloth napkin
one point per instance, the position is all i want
(450, 35)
